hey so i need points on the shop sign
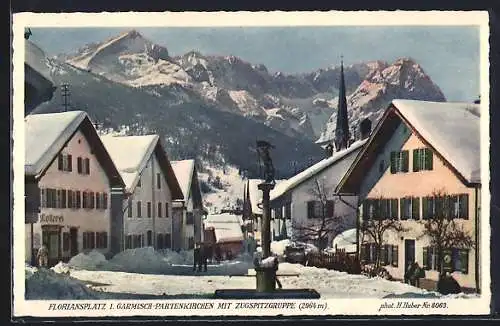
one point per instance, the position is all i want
(51, 219)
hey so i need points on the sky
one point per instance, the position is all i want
(448, 54)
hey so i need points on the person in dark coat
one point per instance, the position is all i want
(447, 284)
(203, 257)
(409, 273)
(218, 254)
(196, 256)
(418, 273)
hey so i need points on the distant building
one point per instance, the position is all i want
(225, 231)
(188, 212)
(71, 185)
(150, 187)
(293, 203)
(418, 149)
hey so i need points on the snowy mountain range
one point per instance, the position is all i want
(212, 100)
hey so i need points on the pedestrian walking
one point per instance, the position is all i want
(43, 256)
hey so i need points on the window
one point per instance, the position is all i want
(65, 244)
(91, 199)
(86, 166)
(189, 218)
(98, 200)
(71, 199)
(159, 241)
(78, 199)
(399, 161)
(422, 159)
(159, 210)
(58, 198)
(288, 211)
(79, 165)
(158, 181)
(453, 259)
(166, 209)
(85, 201)
(63, 198)
(101, 240)
(394, 256)
(168, 240)
(278, 213)
(128, 242)
(456, 206)
(315, 209)
(380, 209)
(129, 208)
(149, 209)
(64, 162)
(88, 240)
(410, 208)
(105, 200)
(139, 213)
(149, 236)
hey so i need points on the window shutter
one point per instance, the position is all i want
(105, 200)
(79, 165)
(394, 208)
(382, 208)
(63, 198)
(425, 207)
(87, 166)
(425, 258)
(310, 209)
(447, 260)
(428, 159)
(416, 165)
(60, 163)
(70, 163)
(464, 206)
(365, 209)
(402, 208)
(362, 254)
(78, 199)
(329, 208)
(415, 208)
(385, 254)
(405, 161)
(393, 162)
(395, 256)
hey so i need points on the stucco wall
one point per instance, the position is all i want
(417, 184)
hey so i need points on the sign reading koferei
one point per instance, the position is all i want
(51, 219)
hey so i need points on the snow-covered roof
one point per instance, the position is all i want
(184, 173)
(346, 240)
(36, 59)
(130, 155)
(227, 227)
(336, 158)
(451, 128)
(45, 135)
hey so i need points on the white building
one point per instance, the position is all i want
(187, 215)
(69, 176)
(150, 188)
(298, 203)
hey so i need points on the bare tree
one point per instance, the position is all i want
(379, 217)
(324, 224)
(441, 226)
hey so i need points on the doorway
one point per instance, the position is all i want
(51, 237)
(73, 239)
(409, 253)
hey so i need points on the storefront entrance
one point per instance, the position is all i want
(51, 237)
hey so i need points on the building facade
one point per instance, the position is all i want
(151, 187)
(306, 206)
(188, 213)
(67, 162)
(420, 163)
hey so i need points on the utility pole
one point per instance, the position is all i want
(66, 93)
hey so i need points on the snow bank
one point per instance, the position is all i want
(90, 261)
(61, 268)
(278, 247)
(140, 260)
(46, 284)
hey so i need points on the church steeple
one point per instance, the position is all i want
(342, 129)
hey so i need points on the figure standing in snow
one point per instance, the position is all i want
(418, 273)
(409, 273)
(196, 256)
(203, 257)
(43, 256)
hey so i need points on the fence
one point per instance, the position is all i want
(338, 260)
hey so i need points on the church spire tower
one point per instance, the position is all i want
(342, 129)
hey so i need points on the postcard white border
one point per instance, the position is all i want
(21, 307)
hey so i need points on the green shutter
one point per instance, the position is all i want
(395, 256)
(425, 208)
(393, 162)
(405, 161)
(447, 260)
(402, 208)
(428, 159)
(384, 255)
(394, 209)
(464, 260)
(464, 206)
(310, 209)
(415, 208)
(425, 258)
(416, 165)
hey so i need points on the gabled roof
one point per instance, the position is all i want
(35, 58)
(184, 172)
(336, 159)
(47, 134)
(227, 227)
(131, 155)
(450, 129)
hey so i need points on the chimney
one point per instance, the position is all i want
(365, 128)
